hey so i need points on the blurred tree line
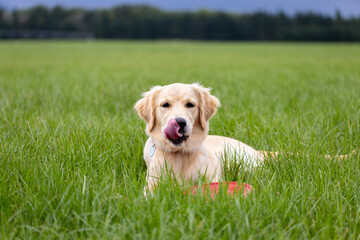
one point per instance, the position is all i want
(145, 22)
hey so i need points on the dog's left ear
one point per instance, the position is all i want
(208, 104)
(145, 107)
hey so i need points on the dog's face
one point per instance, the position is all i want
(177, 115)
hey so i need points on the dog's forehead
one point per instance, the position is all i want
(177, 91)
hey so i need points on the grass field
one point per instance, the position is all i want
(71, 145)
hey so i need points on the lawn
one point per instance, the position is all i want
(71, 144)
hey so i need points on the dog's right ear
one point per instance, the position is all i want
(145, 107)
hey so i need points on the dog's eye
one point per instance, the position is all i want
(190, 105)
(165, 105)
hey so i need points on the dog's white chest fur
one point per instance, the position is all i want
(204, 162)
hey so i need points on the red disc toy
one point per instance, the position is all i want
(213, 188)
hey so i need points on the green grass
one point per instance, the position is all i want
(71, 145)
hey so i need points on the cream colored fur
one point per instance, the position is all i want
(201, 154)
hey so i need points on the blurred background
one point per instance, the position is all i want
(280, 20)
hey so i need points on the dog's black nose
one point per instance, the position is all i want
(181, 122)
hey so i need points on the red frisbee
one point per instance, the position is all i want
(213, 188)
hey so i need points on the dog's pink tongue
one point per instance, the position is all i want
(172, 130)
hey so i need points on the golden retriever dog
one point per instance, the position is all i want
(177, 123)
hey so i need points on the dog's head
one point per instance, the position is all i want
(177, 115)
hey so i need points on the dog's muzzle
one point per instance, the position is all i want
(175, 130)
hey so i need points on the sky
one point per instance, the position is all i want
(347, 7)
